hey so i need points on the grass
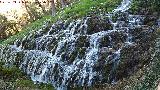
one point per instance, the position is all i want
(30, 85)
(151, 76)
(18, 79)
(77, 10)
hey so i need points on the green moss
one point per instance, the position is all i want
(20, 80)
(29, 84)
(145, 7)
(82, 42)
(104, 42)
(150, 77)
(73, 56)
(46, 87)
(135, 6)
(81, 52)
(25, 83)
(10, 73)
(147, 77)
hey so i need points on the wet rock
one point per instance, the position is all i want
(81, 52)
(96, 24)
(119, 16)
(82, 41)
(105, 42)
(29, 44)
(150, 20)
(134, 57)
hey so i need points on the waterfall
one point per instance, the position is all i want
(47, 67)
(125, 5)
(76, 53)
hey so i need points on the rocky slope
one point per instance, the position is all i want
(90, 51)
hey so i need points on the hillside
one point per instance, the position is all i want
(89, 45)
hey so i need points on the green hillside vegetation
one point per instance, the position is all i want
(77, 10)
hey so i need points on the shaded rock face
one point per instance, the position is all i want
(134, 57)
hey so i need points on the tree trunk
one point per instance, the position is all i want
(53, 8)
(63, 3)
(39, 4)
(28, 11)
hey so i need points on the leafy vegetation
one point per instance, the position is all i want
(149, 76)
(7, 27)
(32, 26)
(145, 7)
(151, 73)
(18, 79)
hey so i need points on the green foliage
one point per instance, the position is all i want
(34, 11)
(11, 27)
(150, 77)
(7, 27)
(26, 30)
(9, 73)
(29, 84)
(3, 19)
(19, 79)
(77, 10)
(135, 6)
(147, 6)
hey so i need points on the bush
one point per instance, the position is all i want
(145, 6)
(7, 28)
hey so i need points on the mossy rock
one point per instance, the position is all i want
(73, 56)
(105, 42)
(82, 41)
(96, 24)
(25, 84)
(10, 73)
(29, 44)
(81, 52)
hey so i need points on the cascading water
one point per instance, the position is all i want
(125, 5)
(77, 53)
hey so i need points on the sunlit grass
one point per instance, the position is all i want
(77, 10)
